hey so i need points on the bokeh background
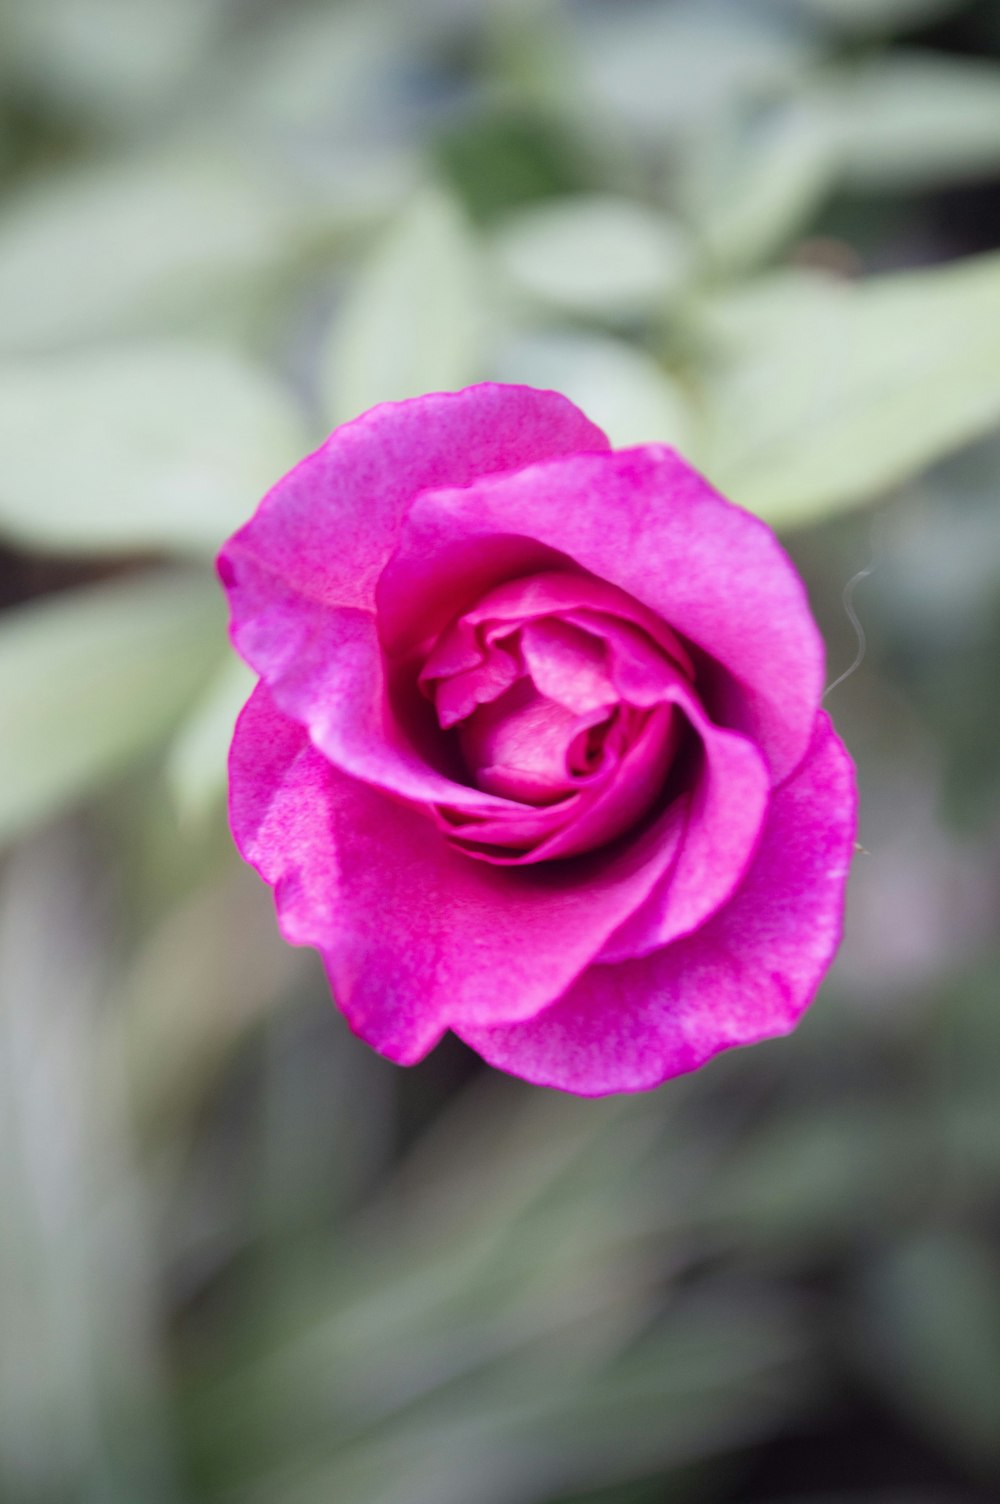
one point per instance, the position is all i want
(242, 1259)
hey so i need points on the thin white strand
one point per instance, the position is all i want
(847, 598)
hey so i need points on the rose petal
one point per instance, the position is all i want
(417, 937)
(566, 664)
(325, 669)
(647, 522)
(301, 575)
(727, 808)
(747, 975)
(517, 745)
(726, 816)
(326, 529)
(457, 684)
(328, 675)
(566, 593)
(278, 812)
(606, 807)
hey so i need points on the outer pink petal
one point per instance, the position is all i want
(416, 937)
(324, 532)
(301, 574)
(725, 821)
(324, 670)
(747, 975)
(645, 521)
(280, 814)
(326, 667)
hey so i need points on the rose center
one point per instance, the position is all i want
(527, 746)
(559, 707)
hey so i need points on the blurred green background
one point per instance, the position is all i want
(242, 1259)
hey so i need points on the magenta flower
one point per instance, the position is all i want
(536, 754)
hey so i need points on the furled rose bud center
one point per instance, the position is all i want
(560, 704)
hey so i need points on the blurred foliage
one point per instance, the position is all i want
(241, 1258)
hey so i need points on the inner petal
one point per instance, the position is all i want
(634, 769)
(496, 668)
(566, 664)
(558, 696)
(519, 744)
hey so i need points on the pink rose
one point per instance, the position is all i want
(536, 754)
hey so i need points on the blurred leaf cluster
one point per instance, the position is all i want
(242, 1260)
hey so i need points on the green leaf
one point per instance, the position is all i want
(594, 254)
(91, 679)
(196, 765)
(661, 69)
(412, 320)
(903, 122)
(822, 395)
(915, 120)
(308, 69)
(619, 386)
(749, 190)
(166, 445)
(204, 975)
(110, 60)
(142, 245)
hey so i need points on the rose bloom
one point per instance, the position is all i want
(537, 753)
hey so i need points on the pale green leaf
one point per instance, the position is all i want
(412, 320)
(114, 59)
(902, 122)
(204, 975)
(166, 445)
(617, 385)
(321, 68)
(594, 254)
(91, 679)
(916, 120)
(824, 394)
(144, 244)
(749, 190)
(197, 761)
(663, 69)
